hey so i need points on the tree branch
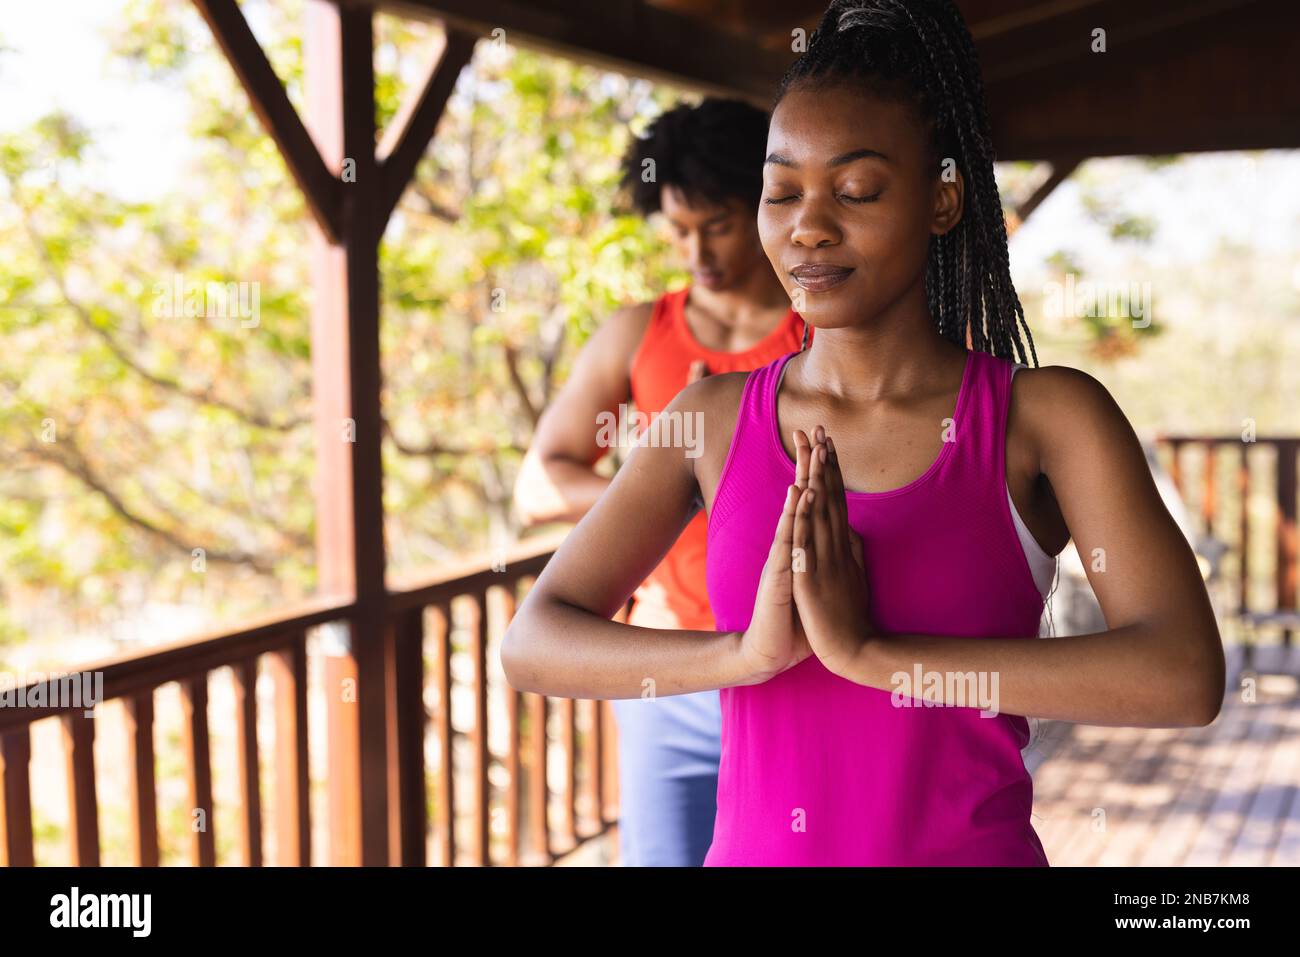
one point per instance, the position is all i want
(203, 396)
(75, 464)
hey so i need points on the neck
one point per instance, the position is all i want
(895, 352)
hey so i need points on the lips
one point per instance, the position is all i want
(816, 277)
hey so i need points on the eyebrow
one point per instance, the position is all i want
(780, 159)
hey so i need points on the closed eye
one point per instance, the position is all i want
(782, 200)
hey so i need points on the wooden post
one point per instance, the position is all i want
(350, 192)
(346, 383)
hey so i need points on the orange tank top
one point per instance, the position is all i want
(674, 595)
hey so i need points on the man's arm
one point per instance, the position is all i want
(557, 481)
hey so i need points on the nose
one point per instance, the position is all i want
(814, 227)
(697, 250)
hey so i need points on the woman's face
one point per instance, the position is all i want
(850, 199)
(718, 243)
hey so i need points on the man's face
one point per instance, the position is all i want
(719, 244)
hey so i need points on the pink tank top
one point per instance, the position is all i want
(817, 770)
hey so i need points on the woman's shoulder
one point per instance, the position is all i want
(1060, 404)
(1050, 390)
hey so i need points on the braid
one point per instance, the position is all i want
(921, 51)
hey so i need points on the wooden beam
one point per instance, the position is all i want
(410, 131)
(1227, 83)
(1061, 42)
(267, 96)
(1060, 173)
(628, 36)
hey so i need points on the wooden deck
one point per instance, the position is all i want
(1223, 795)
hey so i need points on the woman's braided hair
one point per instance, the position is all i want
(920, 52)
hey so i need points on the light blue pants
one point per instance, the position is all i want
(668, 751)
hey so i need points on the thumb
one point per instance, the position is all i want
(777, 570)
(783, 539)
(699, 369)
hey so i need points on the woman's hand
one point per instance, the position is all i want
(830, 578)
(775, 640)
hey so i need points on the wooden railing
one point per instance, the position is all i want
(1202, 457)
(419, 612)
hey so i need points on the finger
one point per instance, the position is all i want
(838, 504)
(699, 369)
(802, 540)
(821, 526)
(803, 458)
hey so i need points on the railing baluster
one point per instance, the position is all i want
(479, 732)
(592, 757)
(512, 762)
(141, 785)
(445, 817)
(1243, 491)
(83, 804)
(1287, 544)
(198, 766)
(16, 798)
(292, 773)
(539, 828)
(1176, 466)
(406, 789)
(343, 765)
(248, 763)
(569, 789)
(609, 811)
(1209, 501)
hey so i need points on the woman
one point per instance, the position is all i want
(707, 163)
(865, 496)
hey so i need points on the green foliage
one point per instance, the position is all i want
(135, 433)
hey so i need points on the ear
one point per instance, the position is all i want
(949, 197)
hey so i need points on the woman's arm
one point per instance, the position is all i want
(1160, 663)
(561, 641)
(558, 480)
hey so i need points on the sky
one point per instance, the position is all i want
(56, 56)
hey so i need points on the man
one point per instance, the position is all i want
(706, 179)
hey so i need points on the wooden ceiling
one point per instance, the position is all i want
(1177, 75)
